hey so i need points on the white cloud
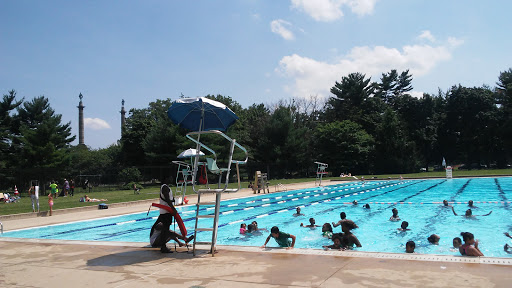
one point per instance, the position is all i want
(362, 7)
(312, 77)
(427, 35)
(331, 10)
(96, 124)
(278, 27)
(416, 94)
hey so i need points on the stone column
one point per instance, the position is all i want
(123, 117)
(81, 121)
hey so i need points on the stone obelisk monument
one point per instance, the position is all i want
(81, 121)
(123, 117)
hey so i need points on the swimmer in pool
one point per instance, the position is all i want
(311, 224)
(457, 242)
(445, 203)
(349, 239)
(366, 206)
(298, 212)
(343, 217)
(395, 216)
(434, 239)
(470, 247)
(404, 226)
(255, 227)
(409, 247)
(336, 244)
(327, 230)
(469, 213)
(470, 204)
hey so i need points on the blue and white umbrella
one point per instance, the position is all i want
(201, 114)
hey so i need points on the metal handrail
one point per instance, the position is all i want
(189, 136)
(1, 228)
(231, 150)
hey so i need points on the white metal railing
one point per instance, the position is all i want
(1, 228)
(280, 186)
(230, 161)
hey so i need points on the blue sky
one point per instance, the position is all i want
(253, 51)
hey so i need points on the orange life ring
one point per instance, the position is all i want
(176, 216)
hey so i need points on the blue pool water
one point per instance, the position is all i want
(418, 202)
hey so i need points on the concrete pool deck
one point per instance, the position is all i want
(57, 263)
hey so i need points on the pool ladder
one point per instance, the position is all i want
(215, 226)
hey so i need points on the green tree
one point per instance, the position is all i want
(345, 146)
(350, 95)
(394, 152)
(472, 119)
(43, 140)
(504, 98)
(7, 153)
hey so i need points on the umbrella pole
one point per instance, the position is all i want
(198, 150)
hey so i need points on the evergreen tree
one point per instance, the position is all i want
(42, 141)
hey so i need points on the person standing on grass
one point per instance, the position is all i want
(66, 187)
(34, 198)
(53, 187)
(72, 187)
(282, 238)
(50, 203)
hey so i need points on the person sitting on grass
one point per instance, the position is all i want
(336, 244)
(311, 224)
(87, 199)
(282, 238)
(403, 226)
(470, 247)
(395, 216)
(469, 213)
(410, 246)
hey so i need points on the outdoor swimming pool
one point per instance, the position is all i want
(418, 202)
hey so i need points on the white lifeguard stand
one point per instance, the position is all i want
(208, 118)
(183, 178)
(320, 172)
(449, 172)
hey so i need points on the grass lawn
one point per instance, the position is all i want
(25, 205)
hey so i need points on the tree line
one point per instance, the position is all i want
(363, 127)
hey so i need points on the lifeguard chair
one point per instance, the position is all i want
(208, 117)
(183, 178)
(260, 182)
(320, 172)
